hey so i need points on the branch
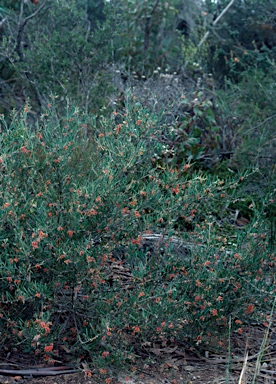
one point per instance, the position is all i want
(215, 22)
(208, 32)
(21, 26)
(36, 12)
(148, 26)
(2, 21)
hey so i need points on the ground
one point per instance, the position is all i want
(173, 365)
(195, 373)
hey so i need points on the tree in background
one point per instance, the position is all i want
(73, 48)
(245, 37)
(151, 33)
(54, 47)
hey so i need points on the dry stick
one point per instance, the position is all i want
(243, 369)
(235, 359)
(53, 371)
(214, 23)
(260, 355)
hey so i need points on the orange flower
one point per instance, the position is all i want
(141, 294)
(175, 190)
(70, 232)
(118, 128)
(137, 241)
(35, 244)
(42, 235)
(88, 373)
(214, 312)
(250, 309)
(91, 212)
(24, 150)
(49, 348)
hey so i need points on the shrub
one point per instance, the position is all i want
(105, 251)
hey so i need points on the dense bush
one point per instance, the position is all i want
(106, 249)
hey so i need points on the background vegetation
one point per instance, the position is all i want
(137, 172)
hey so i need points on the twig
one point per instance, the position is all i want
(51, 371)
(2, 21)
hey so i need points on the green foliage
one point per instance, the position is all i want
(195, 135)
(80, 202)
